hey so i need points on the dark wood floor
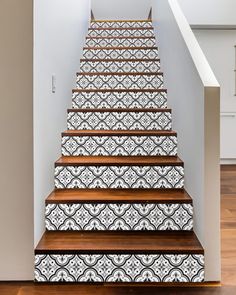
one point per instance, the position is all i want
(228, 237)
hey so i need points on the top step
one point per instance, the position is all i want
(121, 24)
(121, 32)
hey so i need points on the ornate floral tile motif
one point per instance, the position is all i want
(131, 216)
(119, 268)
(117, 66)
(120, 53)
(119, 145)
(116, 99)
(70, 177)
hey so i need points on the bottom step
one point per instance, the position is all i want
(118, 257)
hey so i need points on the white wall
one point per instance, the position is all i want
(60, 27)
(209, 12)
(193, 94)
(121, 9)
(218, 45)
(16, 148)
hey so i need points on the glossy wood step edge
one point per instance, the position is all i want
(141, 242)
(120, 74)
(119, 161)
(120, 110)
(122, 37)
(141, 196)
(119, 60)
(158, 90)
(120, 48)
(118, 133)
(120, 28)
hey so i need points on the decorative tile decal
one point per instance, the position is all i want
(116, 99)
(119, 145)
(121, 42)
(135, 81)
(148, 217)
(119, 120)
(120, 66)
(121, 24)
(119, 268)
(70, 177)
(127, 53)
(121, 33)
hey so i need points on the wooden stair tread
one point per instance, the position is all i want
(120, 74)
(119, 161)
(172, 196)
(129, 110)
(120, 90)
(118, 133)
(119, 242)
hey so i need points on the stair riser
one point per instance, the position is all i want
(101, 100)
(121, 33)
(119, 268)
(122, 42)
(71, 177)
(121, 24)
(119, 81)
(115, 217)
(119, 120)
(120, 53)
(120, 66)
(119, 145)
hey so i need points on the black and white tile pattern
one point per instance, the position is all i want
(125, 217)
(122, 81)
(121, 33)
(76, 266)
(119, 145)
(121, 24)
(119, 268)
(70, 177)
(120, 42)
(120, 53)
(119, 99)
(90, 66)
(119, 120)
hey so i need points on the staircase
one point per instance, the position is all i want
(119, 211)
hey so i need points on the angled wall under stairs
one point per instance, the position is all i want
(119, 211)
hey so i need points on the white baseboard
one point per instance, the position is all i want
(227, 161)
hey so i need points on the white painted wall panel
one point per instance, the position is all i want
(59, 34)
(121, 9)
(209, 12)
(193, 94)
(218, 46)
